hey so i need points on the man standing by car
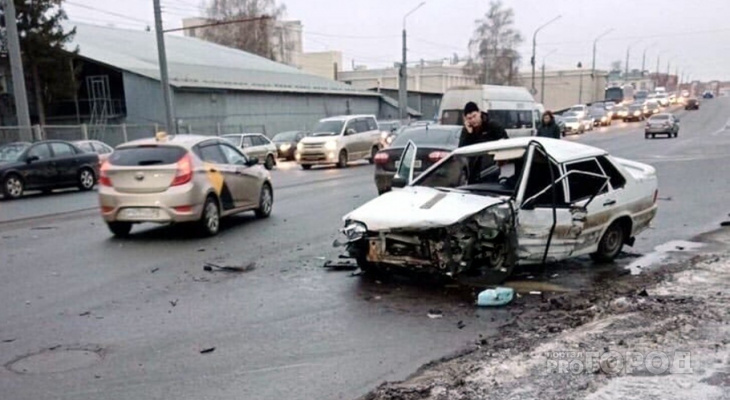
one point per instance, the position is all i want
(478, 128)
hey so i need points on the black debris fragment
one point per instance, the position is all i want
(207, 268)
(461, 325)
(208, 350)
(174, 302)
(43, 228)
(54, 347)
(644, 293)
(85, 314)
(153, 270)
(9, 340)
(725, 223)
(210, 267)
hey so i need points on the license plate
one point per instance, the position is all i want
(139, 213)
(417, 164)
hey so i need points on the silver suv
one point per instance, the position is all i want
(339, 140)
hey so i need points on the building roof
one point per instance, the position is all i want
(560, 150)
(194, 63)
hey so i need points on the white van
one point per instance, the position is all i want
(510, 106)
(339, 140)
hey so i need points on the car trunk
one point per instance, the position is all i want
(144, 169)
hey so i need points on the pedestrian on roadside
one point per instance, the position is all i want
(548, 128)
(478, 128)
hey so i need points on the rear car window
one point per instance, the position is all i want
(147, 155)
(428, 137)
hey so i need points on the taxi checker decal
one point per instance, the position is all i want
(217, 180)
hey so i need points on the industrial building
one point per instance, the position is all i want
(558, 90)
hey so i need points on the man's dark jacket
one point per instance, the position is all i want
(487, 132)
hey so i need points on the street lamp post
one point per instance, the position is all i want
(628, 50)
(542, 83)
(643, 58)
(593, 68)
(403, 82)
(580, 86)
(534, 45)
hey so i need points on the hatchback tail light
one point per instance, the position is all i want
(381, 158)
(437, 155)
(184, 173)
(103, 175)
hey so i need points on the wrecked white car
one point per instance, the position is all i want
(488, 207)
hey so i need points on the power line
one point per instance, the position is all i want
(107, 12)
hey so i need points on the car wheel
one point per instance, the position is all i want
(306, 167)
(266, 202)
(610, 245)
(269, 163)
(210, 219)
(342, 159)
(646, 136)
(653, 135)
(13, 187)
(373, 151)
(120, 229)
(86, 179)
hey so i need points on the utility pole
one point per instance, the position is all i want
(403, 81)
(542, 83)
(534, 45)
(593, 68)
(580, 87)
(16, 69)
(164, 78)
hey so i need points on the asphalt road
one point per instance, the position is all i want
(85, 316)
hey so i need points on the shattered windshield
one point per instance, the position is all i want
(328, 128)
(495, 172)
(11, 152)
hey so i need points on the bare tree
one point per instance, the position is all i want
(494, 57)
(616, 66)
(255, 36)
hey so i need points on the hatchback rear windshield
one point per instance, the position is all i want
(147, 155)
(659, 117)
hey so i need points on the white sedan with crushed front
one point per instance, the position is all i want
(488, 207)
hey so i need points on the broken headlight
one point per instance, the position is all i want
(354, 231)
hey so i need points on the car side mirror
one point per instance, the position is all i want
(252, 161)
(399, 182)
(31, 159)
(350, 132)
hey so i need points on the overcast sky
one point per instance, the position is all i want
(693, 35)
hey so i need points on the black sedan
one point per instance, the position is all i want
(45, 166)
(635, 112)
(286, 143)
(434, 143)
(692, 104)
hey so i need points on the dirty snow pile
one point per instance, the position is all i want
(662, 336)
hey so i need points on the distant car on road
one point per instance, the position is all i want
(662, 99)
(573, 124)
(286, 143)
(46, 165)
(651, 108)
(95, 146)
(708, 95)
(434, 142)
(662, 124)
(182, 178)
(692, 104)
(339, 140)
(600, 117)
(255, 145)
(580, 110)
(635, 112)
(620, 112)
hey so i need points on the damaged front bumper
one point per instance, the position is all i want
(482, 243)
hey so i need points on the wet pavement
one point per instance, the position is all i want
(286, 328)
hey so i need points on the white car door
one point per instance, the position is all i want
(547, 227)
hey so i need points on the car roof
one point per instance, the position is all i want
(661, 115)
(347, 117)
(560, 150)
(187, 141)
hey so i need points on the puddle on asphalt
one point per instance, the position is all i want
(661, 254)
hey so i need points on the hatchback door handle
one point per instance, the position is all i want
(609, 203)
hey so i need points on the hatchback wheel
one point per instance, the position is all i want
(210, 220)
(13, 187)
(266, 202)
(86, 179)
(270, 162)
(120, 229)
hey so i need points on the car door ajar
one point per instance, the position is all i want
(246, 179)
(547, 227)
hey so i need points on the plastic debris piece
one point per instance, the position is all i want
(498, 296)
